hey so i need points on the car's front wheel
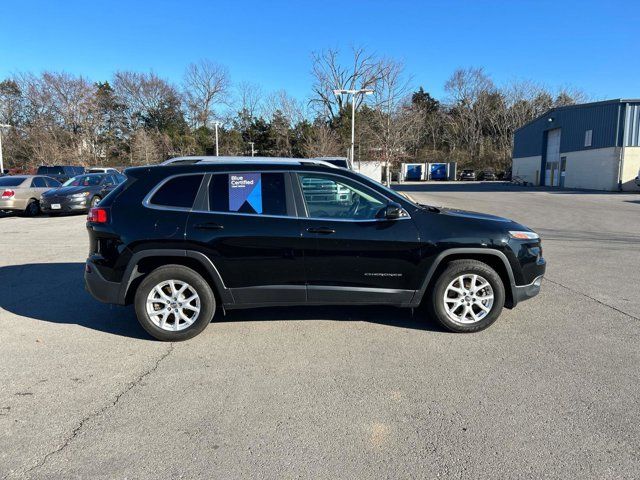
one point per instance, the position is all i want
(468, 296)
(33, 208)
(174, 303)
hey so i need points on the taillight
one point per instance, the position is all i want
(8, 194)
(98, 215)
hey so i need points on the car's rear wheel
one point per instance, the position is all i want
(33, 208)
(174, 303)
(468, 296)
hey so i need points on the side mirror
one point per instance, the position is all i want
(392, 211)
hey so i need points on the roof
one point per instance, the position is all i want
(580, 105)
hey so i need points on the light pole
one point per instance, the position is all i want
(252, 152)
(1, 159)
(354, 93)
(216, 124)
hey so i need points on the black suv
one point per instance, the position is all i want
(186, 238)
(62, 173)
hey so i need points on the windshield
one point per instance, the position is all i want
(83, 181)
(11, 181)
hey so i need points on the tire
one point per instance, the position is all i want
(94, 201)
(163, 326)
(460, 319)
(33, 208)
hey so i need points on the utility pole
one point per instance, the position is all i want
(354, 93)
(216, 126)
(1, 159)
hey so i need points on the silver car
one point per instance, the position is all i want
(22, 193)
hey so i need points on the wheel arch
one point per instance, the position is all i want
(145, 261)
(494, 258)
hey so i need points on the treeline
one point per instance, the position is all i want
(140, 118)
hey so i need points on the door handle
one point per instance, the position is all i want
(208, 226)
(321, 230)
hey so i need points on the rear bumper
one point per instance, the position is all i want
(99, 288)
(13, 205)
(525, 292)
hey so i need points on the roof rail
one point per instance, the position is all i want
(246, 161)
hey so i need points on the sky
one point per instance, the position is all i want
(591, 45)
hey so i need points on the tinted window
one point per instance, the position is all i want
(11, 181)
(52, 182)
(178, 192)
(38, 182)
(329, 197)
(259, 193)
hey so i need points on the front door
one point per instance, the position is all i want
(551, 178)
(246, 224)
(351, 255)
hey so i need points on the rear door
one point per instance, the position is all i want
(38, 186)
(246, 224)
(351, 255)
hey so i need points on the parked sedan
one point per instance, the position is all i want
(467, 174)
(79, 194)
(22, 193)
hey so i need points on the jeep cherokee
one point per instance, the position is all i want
(193, 236)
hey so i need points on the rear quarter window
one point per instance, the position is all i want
(177, 192)
(257, 193)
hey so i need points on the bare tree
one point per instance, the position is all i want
(362, 71)
(250, 99)
(205, 85)
(321, 142)
(396, 124)
(145, 96)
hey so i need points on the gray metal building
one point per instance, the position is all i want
(591, 146)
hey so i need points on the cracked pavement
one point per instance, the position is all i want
(550, 391)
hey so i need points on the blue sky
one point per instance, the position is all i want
(592, 45)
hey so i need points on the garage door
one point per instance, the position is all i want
(552, 167)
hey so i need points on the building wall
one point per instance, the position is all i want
(593, 169)
(603, 119)
(528, 168)
(630, 168)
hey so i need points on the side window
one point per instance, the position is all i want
(258, 193)
(109, 180)
(329, 197)
(38, 182)
(178, 192)
(51, 182)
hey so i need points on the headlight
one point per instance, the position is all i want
(80, 195)
(524, 235)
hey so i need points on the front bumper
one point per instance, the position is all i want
(101, 289)
(67, 205)
(525, 292)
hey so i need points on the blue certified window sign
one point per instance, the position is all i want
(245, 192)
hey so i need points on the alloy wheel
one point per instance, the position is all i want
(468, 298)
(173, 305)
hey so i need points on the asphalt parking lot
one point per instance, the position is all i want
(552, 390)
